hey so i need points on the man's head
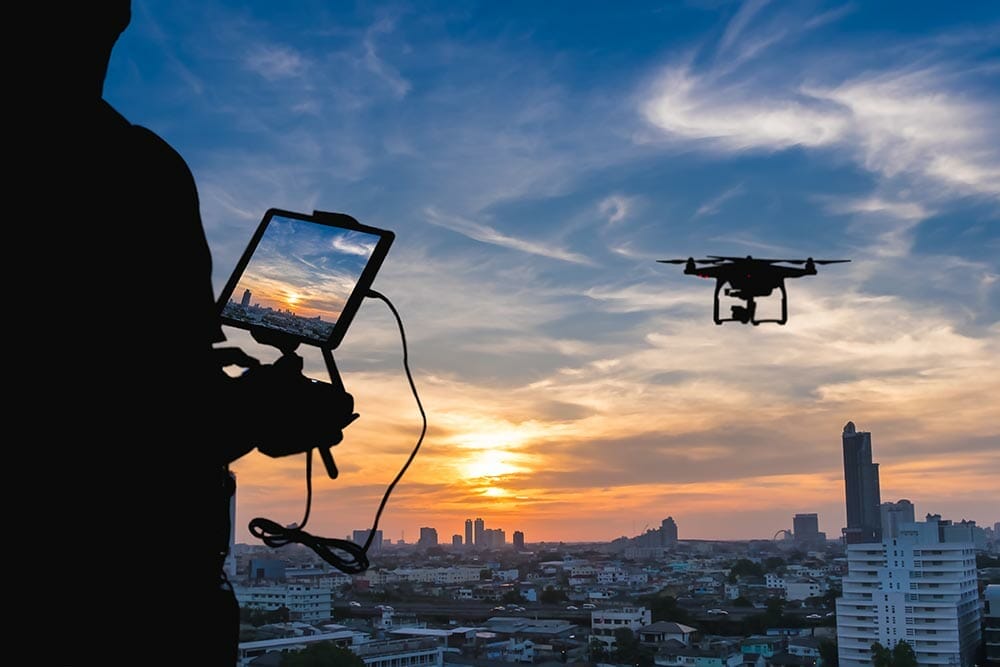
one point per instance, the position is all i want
(87, 32)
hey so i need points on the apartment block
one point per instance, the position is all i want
(919, 587)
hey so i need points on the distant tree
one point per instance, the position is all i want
(774, 607)
(984, 561)
(597, 652)
(742, 602)
(552, 595)
(628, 650)
(512, 597)
(881, 656)
(830, 597)
(774, 564)
(665, 608)
(322, 654)
(259, 617)
(744, 568)
(828, 654)
(486, 574)
(903, 655)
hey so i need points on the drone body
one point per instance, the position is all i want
(749, 278)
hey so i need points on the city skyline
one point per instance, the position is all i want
(535, 160)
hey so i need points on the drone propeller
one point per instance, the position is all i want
(814, 261)
(782, 261)
(689, 259)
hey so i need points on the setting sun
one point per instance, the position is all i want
(482, 463)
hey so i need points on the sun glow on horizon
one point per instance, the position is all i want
(488, 464)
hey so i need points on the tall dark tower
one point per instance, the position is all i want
(518, 539)
(468, 532)
(480, 532)
(861, 490)
(668, 532)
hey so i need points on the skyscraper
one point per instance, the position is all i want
(480, 529)
(894, 514)
(468, 532)
(518, 539)
(668, 532)
(861, 489)
(805, 528)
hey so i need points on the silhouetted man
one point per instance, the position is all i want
(134, 416)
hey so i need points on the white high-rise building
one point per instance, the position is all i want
(920, 588)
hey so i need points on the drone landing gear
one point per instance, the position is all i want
(747, 314)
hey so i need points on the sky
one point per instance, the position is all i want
(534, 160)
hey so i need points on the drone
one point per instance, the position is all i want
(748, 278)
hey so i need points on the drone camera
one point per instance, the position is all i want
(740, 313)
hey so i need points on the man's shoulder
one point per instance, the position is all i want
(147, 144)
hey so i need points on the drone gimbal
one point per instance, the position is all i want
(747, 314)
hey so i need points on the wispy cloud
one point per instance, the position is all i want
(739, 22)
(713, 205)
(487, 234)
(615, 207)
(377, 65)
(901, 122)
(276, 62)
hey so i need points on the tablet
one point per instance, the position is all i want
(303, 276)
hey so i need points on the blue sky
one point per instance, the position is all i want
(534, 160)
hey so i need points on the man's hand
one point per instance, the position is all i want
(234, 356)
(294, 413)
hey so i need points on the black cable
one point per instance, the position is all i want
(356, 561)
(423, 430)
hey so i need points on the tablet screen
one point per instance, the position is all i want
(303, 277)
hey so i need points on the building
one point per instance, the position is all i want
(340, 636)
(480, 528)
(668, 530)
(894, 514)
(456, 540)
(491, 538)
(604, 622)
(428, 537)
(861, 488)
(715, 655)
(991, 624)
(361, 536)
(663, 631)
(468, 532)
(518, 539)
(920, 588)
(306, 603)
(805, 530)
